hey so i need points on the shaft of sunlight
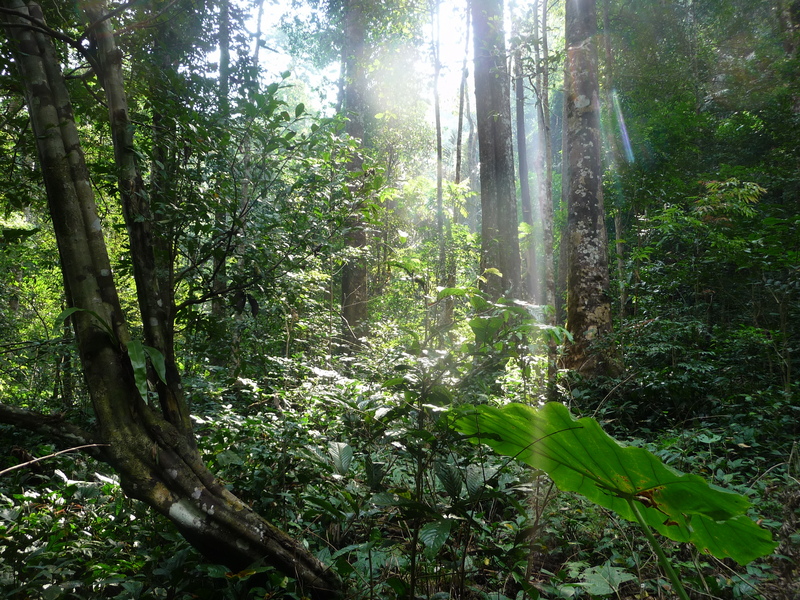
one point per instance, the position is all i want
(626, 140)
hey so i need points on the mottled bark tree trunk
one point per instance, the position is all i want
(499, 228)
(152, 448)
(354, 273)
(588, 304)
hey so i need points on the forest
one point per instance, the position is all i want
(399, 300)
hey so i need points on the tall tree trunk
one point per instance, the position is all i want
(588, 305)
(499, 229)
(532, 272)
(548, 281)
(561, 275)
(218, 283)
(437, 111)
(613, 154)
(462, 99)
(546, 191)
(449, 303)
(153, 449)
(354, 273)
(472, 165)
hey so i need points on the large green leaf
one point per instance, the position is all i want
(138, 358)
(435, 534)
(580, 457)
(342, 455)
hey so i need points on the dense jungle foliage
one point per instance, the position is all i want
(352, 449)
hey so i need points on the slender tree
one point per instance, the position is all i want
(449, 304)
(354, 273)
(588, 304)
(499, 236)
(613, 154)
(545, 139)
(437, 111)
(532, 270)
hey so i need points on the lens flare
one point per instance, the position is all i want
(626, 140)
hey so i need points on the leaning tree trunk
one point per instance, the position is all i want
(152, 449)
(588, 304)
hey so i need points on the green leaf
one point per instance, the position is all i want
(139, 363)
(580, 457)
(434, 535)
(374, 472)
(477, 477)
(485, 328)
(342, 455)
(440, 395)
(228, 457)
(451, 478)
(158, 362)
(604, 580)
(451, 291)
(65, 314)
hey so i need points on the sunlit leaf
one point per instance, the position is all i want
(158, 362)
(139, 362)
(342, 455)
(580, 457)
(450, 291)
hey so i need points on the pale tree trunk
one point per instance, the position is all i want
(152, 448)
(441, 267)
(531, 278)
(588, 305)
(354, 273)
(449, 303)
(499, 229)
(462, 100)
(546, 189)
(613, 153)
(548, 282)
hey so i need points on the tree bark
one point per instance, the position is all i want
(354, 273)
(152, 449)
(546, 189)
(499, 228)
(219, 283)
(532, 279)
(613, 155)
(588, 305)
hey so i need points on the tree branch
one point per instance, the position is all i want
(53, 426)
(40, 26)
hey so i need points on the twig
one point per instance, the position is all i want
(36, 460)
